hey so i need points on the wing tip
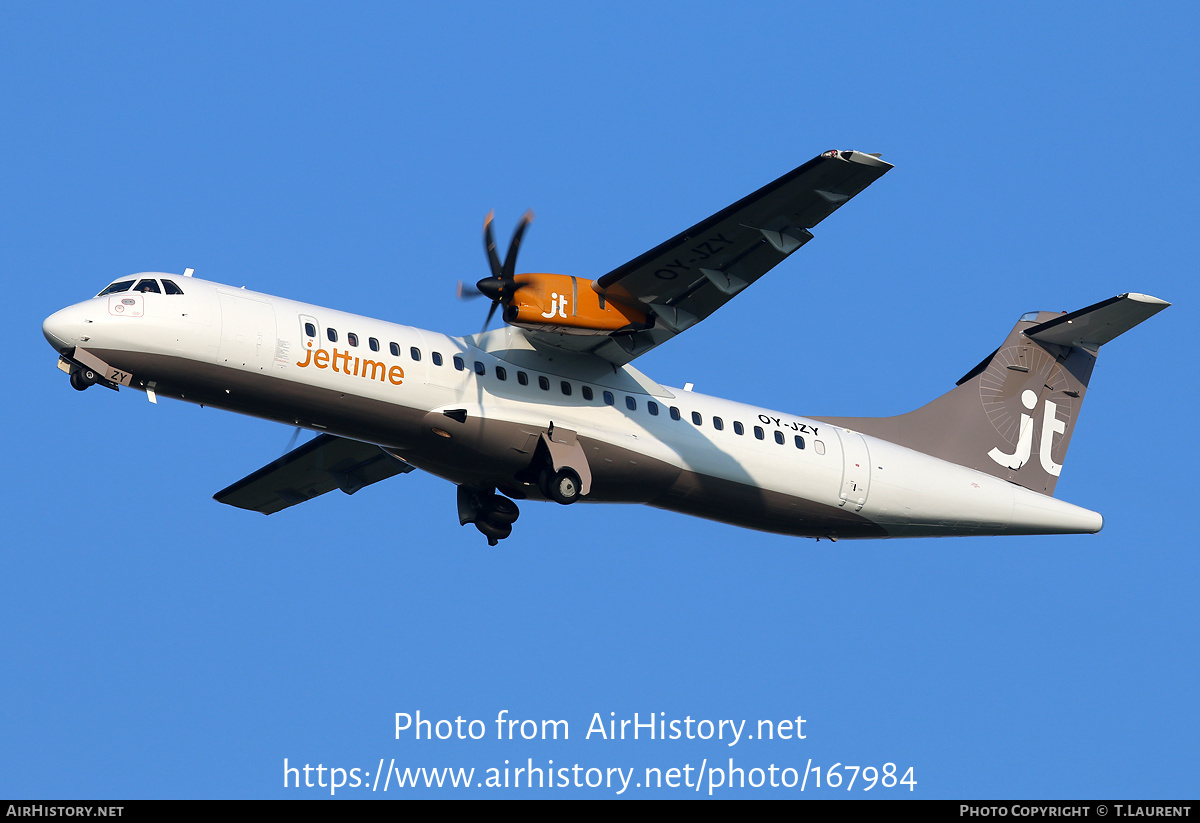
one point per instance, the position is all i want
(863, 158)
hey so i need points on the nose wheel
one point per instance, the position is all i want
(82, 378)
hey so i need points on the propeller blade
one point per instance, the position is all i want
(510, 259)
(491, 311)
(502, 285)
(291, 443)
(464, 294)
(489, 243)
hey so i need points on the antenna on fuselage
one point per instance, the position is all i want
(188, 272)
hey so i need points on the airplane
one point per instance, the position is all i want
(550, 408)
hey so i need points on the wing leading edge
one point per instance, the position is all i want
(687, 278)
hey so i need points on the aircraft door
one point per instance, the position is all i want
(856, 470)
(247, 332)
(310, 337)
(439, 375)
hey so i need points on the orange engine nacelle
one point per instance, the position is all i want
(566, 304)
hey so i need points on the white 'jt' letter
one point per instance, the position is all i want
(1050, 425)
(1020, 456)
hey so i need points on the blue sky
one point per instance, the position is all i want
(157, 644)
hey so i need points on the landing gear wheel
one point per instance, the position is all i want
(501, 511)
(82, 378)
(493, 533)
(493, 514)
(564, 486)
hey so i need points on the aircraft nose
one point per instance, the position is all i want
(62, 328)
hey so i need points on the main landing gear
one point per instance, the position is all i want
(562, 486)
(559, 470)
(493, 514)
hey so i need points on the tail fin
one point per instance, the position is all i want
(1012, 416)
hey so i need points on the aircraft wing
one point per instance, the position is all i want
(321, 465)
(687, 278)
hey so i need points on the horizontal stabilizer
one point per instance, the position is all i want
(321, 465)
(1094, 326)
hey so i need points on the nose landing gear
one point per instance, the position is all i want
(82, 378)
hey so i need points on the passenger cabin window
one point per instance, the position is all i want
(718, 423)
(394, 348)
(331, 334)
(630, 403)
(458, 363)
(799, 442)
(566, 388)
(779, 437)
(352, 339)
(674, 413)
(374, 343)
(501, 374)
(652, 407)
(696, 418)
(522, 378)
(758, 432)
(310, 330)
(169, 287)
(480, 369)
(738, 428)
(415, 354)
(117, 288)
(587, 393)
(609, 400)
(544, 383)
(437, 358)
(148, 287)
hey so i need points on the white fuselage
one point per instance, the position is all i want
(380, 382)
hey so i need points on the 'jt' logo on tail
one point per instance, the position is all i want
(1050, 426)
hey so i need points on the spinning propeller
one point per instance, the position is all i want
(502, 285)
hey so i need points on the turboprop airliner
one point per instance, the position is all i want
(549, 408)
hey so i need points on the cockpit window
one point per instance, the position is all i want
(169, 287)
(116, 288)
(147, 287)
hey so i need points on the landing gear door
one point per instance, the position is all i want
(565, 451)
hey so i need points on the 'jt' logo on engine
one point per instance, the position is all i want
(558, 306)
(1051, 425)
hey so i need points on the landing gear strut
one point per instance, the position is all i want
(493, 514)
